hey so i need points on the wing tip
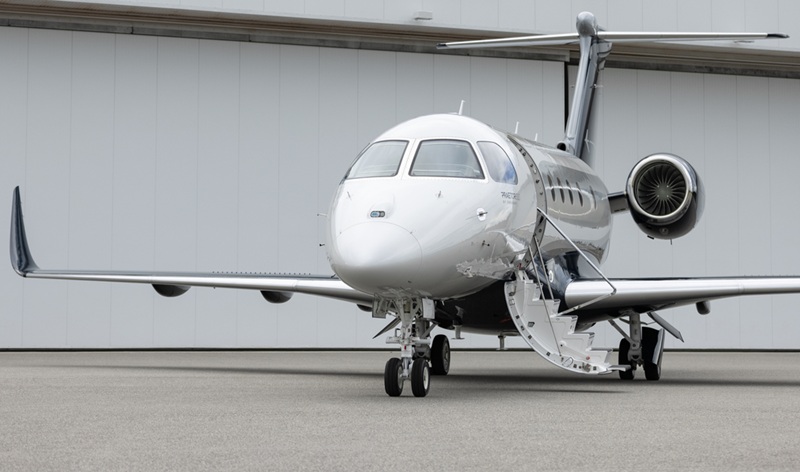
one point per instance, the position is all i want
(21, 259)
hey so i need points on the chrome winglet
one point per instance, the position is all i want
(21, 259)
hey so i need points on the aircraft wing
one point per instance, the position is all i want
(643, 295)
(275, 288)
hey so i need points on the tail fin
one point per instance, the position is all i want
(595, 45)
(21, 259)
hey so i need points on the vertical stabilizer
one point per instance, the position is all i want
(593, 55)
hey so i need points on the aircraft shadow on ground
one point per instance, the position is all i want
(509, 380)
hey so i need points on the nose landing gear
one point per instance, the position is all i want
(416, 351)
(397, 372)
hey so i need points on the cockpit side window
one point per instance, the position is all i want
(446, 158)
(498, 163)
(381, 159)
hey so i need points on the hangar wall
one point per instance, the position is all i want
(740, 135)
(146, 153)
(535, 16)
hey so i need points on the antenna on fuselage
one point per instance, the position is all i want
(516, 128)
(595, 45)
(461, 107)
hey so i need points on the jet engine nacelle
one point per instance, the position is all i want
(665, 196)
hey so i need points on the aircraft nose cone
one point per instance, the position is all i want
(377, 257)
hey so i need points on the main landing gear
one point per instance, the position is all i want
(644, 347)
(419, 357)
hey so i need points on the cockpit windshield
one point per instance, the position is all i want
(446, 158)
(381, 159)
(498, 163)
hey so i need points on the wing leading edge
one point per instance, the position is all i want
(643, 295)
(176, 283)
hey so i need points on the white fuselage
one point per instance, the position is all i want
(416, 227)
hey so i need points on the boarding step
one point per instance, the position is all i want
(552, 335)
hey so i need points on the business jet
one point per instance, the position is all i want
(444, 221)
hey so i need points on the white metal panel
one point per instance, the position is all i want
(217, 179)
(525, 98)
(694, 15)
(789, 11)
(480, 13)
(134, 186)
(13, 130)
(363, 9)
(624, 15)
(517, 15)
(722, 216)
(728, 15)
(258, 187)
(401, 12)
(444, 11)
(176, 184)
(91, 175)
(252, 5)
(754, 158)
(284, 7)
(660, 16)
(761, 16)
(784, 127)
(47, 181)
(451, 84)
(338, 324)
(324, 7)
(553, 113)
(377, 94)
(415, 84)
(299, 186)
(202, 4)
(488, 78)
(554, 16)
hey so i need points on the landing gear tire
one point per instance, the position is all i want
(393, 377)
(420, 378)
(440, 355)
(624, 347)
(652, 340)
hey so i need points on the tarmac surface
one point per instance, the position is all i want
(287, 410)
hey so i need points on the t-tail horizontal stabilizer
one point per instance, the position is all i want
(21, 258)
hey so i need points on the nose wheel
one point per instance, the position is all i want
(393, 377)
(396, 373)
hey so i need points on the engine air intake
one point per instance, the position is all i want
(660, 189)
(665, 196)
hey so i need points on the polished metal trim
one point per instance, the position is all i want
(661, 293)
